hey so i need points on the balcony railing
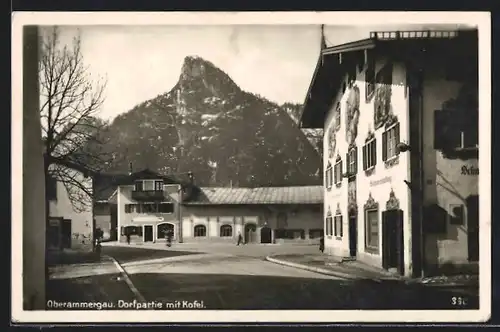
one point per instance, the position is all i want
(385, 35)
(148, 195)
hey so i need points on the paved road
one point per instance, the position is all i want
(240, 278)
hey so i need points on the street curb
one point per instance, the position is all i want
(312, 269)
(125, 277)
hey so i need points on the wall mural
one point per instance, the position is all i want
(332, 141)
(383, 94)
(352, 115)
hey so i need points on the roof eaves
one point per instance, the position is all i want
(358, 45)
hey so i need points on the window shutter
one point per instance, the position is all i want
(396, 137)
(384, 146)
(365, 158)
(355, 156)
(374, 152)
(348, 161)
(341, 226)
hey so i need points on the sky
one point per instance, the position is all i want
(275, 61)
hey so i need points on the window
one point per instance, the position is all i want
(226, 231)
(149, 185)
(455, 130)
(339, 232)
(370, 154)
(390, 139)
(337, 116)
(166, 207)
(371, 230)
(338, 172)
(158, 185)
(51, 190)
(138, 185)
(370, 78)
(329, 225)
(148, 208)
(128, 208)
(352, 161)
(164, 229)
(328, 176)
(200, 231)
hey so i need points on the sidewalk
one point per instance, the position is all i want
(355, 270)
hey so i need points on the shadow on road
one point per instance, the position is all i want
(218, 291)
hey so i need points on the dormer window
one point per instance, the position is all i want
(149, 185)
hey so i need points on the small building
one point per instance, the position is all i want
(260, 215)
(400, 117)
(149, 205)
(69, 194)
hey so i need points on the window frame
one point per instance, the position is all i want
(338, 172)
(145, 185)
(225, 226)
(352, 161)
(328, 176)
(200, 226)
(166, 204)
(370, 154)
(338, 228)
(394, 130)
(158, 186)
(329, 225)
(368, 234)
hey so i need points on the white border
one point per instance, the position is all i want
(480, 19)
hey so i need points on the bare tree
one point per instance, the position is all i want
(70, 102)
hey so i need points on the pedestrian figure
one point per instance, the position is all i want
(240, 239)
(322, 244)
(128, 237)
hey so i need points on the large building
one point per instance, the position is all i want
(400, 117)
(149, 204)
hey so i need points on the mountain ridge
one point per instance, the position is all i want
(207, 124)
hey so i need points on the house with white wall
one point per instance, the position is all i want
(400, 111)
(69, 192)
(149, 204)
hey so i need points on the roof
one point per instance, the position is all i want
(262, 195)
(335, 61)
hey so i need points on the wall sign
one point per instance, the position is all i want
(469, 170)
(381, 181)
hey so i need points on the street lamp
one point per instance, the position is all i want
(403, 147)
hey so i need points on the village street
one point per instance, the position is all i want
(231, 277)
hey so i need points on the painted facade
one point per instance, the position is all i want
(401, 172)
(71, 213)
(147, 220)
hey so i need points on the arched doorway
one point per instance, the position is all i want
(163, 228)
(250, 233)
(265, 235)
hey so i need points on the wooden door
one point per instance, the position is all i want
(393, 240)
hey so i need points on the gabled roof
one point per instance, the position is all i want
(334, 62)
(263, 195)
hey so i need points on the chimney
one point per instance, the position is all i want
(130, 168)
